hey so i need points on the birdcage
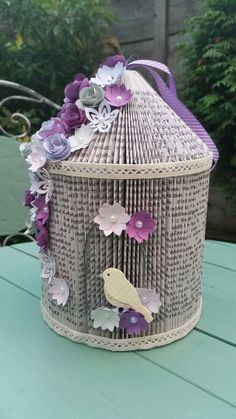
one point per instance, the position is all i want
(150, 171)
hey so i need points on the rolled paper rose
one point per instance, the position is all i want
(56, 147)
(91, 96)
(72, 89)
(118, 95)
(54, 126)
(113, 59)
(72, 116)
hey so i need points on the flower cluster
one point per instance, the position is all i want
(127, 319)
(114, 219)
(88, 106)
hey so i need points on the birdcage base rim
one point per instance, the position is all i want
(122, 345)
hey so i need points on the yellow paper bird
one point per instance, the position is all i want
(121, 293)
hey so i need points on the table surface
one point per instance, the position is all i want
(45, 376)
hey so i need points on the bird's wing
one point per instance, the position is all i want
(113, 301)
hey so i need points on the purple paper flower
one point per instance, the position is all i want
(114, 59)
(72, 89)
(42, 236)
(133, 322)
(118, 95)
(42, 209)
(149, 299)
(53, 126)
(72, 116)
(56, 147)
(28, 198)
(140, 226)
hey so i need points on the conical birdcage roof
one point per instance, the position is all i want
(146, 132)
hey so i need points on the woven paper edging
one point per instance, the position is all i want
(131, 344)
(131, 171)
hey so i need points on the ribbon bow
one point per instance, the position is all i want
(169, 95)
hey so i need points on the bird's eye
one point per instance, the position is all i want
(108, 274)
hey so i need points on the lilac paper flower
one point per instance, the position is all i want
(72, 89)
(53, 126)
(118, 95)
(108, 75)
(149, 299)
(59, 291)
(133, 322)
(56, 147)
(114, 59)
(42, 209)
(140, 226)
(28, 198)
(112, 219)
(42, 236)
(72, 116)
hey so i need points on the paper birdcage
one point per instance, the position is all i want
(149, 161)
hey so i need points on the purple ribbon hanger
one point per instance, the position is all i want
(170, 97)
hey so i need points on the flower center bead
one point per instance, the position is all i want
(119, 97)
(45, 209)
(133, 319)
(144, 299)
(113, 219)
(139, 224)
(110, 78)
(62, 288)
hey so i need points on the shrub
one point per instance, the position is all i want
(209, 86)
(43, 43)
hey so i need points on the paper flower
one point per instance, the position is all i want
(91, 96)
(42, 184)
(25, 149)
(118, 95)
(59, 291)
(108, 75)
(42, 236)
(48, 265)
(72, 116)
(32, 212)
(114, 59)
(102, 118)
(133, 322)
(72, 89)
(112, 219)
(36, 158)
(81, 137)
(42, 210)
(56, 147)
(106, 318)
(149, 299)
(53, 126)
(140, 226)
(28, 198)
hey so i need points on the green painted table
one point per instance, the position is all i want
(44, 376)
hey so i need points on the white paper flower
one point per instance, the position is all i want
(42, 184)
(106, 76)
(25, 149)
(59, 291)
(48, 265)
(81, 137)
(106, 318)
(36, 158)
(102, 118)
(112, 219)
(149, 299)
(32, 212)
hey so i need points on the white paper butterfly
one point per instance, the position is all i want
(42, 184)
(102, 118)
